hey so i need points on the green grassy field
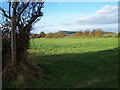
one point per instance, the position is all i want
(76, 62)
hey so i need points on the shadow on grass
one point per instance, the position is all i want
(85, 70)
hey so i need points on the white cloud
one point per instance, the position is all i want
(108, 9)
(106, 18)
(106, 15)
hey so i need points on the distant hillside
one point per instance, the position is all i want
(105, 32)
(73, 32)
(68, 32)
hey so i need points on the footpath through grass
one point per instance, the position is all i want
(76, 62)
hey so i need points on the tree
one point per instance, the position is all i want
(78, 34)
(6, 28)
(59, 34)
(34, 36)
(49, 35)
(98, 33)
(21, 15)
(42, 34)
(13, 33)
(86, 33)
(110, 34)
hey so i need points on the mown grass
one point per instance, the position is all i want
(76, 62)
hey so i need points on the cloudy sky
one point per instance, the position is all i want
(75, 16)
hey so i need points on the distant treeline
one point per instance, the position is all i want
(87, 33)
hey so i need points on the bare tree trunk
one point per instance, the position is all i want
(13, 35)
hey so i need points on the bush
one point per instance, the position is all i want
(34, 36)
(78, 34)
(110, 34)
(50, 35)
(42, 34)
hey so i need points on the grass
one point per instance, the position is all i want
(76, 62)
(71, 45)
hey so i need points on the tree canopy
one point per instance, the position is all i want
(19, 17)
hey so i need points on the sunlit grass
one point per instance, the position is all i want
(76, 62)
(44, 46)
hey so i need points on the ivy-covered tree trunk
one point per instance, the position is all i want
(22, 44)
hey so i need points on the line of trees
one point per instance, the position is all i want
(95, 33)
(49, 35)
(55, 35)
(86, 33)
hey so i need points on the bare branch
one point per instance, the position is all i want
(23, 9)
(9, 8)
(4, 13)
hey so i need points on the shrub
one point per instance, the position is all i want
(42, 34)
(78, 34)
(110, 34)
(50, 35)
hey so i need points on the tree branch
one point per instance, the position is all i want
(4, 13)
(23, 9)
(9, 8)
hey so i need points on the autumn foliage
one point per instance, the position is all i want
(55, 35)
(78, 34)
(110, 34)
(88, 33)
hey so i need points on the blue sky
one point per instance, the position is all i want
(74, 7)
(75, 16)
